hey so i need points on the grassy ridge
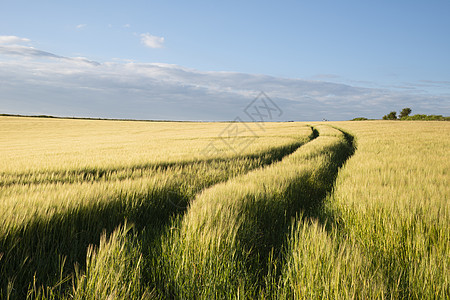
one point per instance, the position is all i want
(128, 172)
(50, 223)
(392, 203)
(221, 247)
(33, 239)
(37, 146)
(277, 222)
(389, 236)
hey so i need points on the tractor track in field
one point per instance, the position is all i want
(268, 222)
(135, 171)
(34, 249)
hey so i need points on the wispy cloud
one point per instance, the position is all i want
(33, 53)
(152, 41)
(11, 39)
(325, 76)
(46, 83)
(436, 82)
(25, 51)
(81, 26)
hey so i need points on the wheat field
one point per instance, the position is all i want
(98, 209)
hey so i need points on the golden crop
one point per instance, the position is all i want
(96, 209)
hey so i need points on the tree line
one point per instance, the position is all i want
(405, 115)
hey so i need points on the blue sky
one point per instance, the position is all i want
(399, 49)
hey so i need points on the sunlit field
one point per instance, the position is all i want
(97, 209)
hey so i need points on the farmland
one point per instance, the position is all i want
(97, 209)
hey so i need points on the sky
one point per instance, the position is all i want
(205, 60)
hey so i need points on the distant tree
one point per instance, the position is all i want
(404, 113)
(421, 117)
(391, 116)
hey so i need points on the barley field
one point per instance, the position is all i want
(102, 209)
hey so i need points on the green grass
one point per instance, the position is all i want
(392, 205)
(55, 217)
(221, 247)
(120, 210)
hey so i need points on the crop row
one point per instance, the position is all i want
(231, 239)
(47, 224)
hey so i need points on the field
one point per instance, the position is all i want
(97, 209)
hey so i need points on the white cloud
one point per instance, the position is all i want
(11, 39)
(33, 53)
(24, 51)
(152, 41)
(81, 26)
(127, 26)
(46, 83)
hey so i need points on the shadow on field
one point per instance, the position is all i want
(255, 249)
(39, 249)
(117, 173)
(305, 195)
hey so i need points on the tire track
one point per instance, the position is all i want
(36, 248)
(224, 242)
